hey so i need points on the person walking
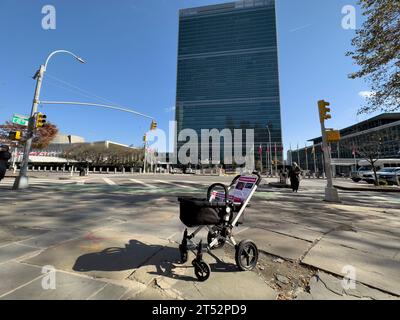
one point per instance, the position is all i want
(5, 155)
(294, 175)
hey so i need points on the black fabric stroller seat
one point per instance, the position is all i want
(196, 212)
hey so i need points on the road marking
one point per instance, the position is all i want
(109, 182)
(81, 183)
(173, 184)
(143, 183)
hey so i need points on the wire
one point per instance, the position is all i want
(87, 93)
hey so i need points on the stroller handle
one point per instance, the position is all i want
(210, 189)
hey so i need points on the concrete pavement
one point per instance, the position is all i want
(119, 241)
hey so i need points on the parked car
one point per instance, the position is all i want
(390, 175)
(176, 171)
(362, 173)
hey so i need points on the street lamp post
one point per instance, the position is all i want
(21, 182)
(269, 150)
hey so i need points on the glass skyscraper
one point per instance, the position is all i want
(228, 71)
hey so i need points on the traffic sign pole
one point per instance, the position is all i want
(331, 193)
(21, 182)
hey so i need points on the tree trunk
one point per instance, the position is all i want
(374, 169)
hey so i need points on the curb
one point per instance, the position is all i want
(366, 189)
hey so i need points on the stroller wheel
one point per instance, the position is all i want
(211, 236)
(246, 255)
(201, 270)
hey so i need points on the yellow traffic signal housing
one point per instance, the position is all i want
(144, 138)
(40, 120)
(15, 135)
(153, 125)
(324, 110)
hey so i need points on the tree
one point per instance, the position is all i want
(368, 148)
(377, 52)
(100, 154)
(41, 139)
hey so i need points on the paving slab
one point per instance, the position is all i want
(13, 251)
(14, 274)
(110, 292)
(68, 287)
(376, 271)
(14, 233)
(53, 237)
(275, 243)
(102, 254)
(226, 282)
(162, 229)
(376, 244)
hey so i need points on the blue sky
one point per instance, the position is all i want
(131, 51)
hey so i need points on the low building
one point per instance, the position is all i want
(344, 153)
(51, 158)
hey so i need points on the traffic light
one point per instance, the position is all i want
(15, 135)
(40, 120)
(153, 125)
(324, 110)
(144, 138)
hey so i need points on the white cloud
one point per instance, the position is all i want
(366, 94)
(170, 109)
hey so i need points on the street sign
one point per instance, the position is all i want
(333, 135)
(21, 120)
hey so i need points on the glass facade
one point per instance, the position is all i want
(228, 71)
(382, 130)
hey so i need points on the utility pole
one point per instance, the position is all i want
(331, 194)
(21, 182)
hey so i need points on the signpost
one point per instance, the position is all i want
(331, 194)
(21, 120)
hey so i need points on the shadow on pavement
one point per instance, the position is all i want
(165, 260)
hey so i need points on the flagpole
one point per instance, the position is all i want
(315, 165)
(298, 156)
(276, 161)
(306, 156)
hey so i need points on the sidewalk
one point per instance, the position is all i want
(118, 245)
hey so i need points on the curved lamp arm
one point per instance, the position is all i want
(62, 51)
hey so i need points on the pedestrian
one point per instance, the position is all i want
(5, 155)
(294, 175)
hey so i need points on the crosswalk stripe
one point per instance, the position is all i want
(109, 182)
(143, 183)
(37, 181)
(174, 184)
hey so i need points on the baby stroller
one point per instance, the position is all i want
(219, 213)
